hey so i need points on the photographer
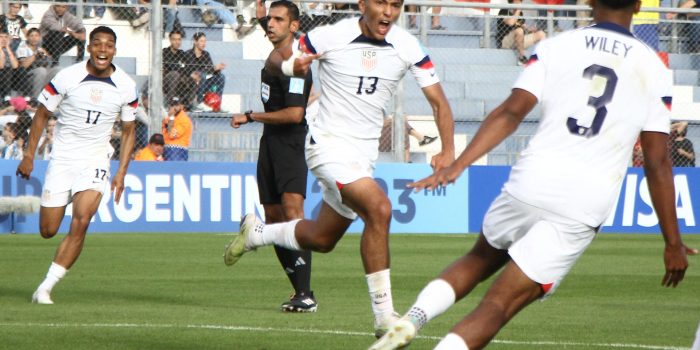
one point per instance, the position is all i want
(35, 65)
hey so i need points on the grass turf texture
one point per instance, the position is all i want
(172, 291)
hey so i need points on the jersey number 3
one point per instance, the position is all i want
(596, 102)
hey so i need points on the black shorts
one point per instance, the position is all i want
(281, 166)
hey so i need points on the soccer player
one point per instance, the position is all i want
(87, 97)
(282, 169)
(600, 87)
(361, 60)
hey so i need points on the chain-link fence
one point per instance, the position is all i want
(210, 54)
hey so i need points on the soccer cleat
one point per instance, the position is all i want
(41, 296)
(237, 247)
(427, 140)
(398, 336)
(382, 326)
(301, 302)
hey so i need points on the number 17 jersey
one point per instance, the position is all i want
(87, 107)
(599, 87)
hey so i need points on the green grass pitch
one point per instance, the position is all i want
(172, 291)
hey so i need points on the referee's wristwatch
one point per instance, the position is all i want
(248, 116)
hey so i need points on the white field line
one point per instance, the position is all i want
(331, 332)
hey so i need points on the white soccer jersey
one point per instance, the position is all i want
(87, 107)
(358, 75)
(599, 87)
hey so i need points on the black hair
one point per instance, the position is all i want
(292, 8)
(617, 4)
(105, 30)
(174, 32)
(198, 35)
(32, 30)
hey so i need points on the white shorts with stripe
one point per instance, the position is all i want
(545, 246)
(336, 161)
(64, 179)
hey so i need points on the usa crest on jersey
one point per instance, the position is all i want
(369, 59)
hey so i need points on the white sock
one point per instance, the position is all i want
(56, 272)
(451, 342)
(281, 234)
(379, 284)
(432, 301)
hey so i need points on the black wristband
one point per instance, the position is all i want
(248, 116)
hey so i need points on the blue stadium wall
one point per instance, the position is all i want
(212, 197)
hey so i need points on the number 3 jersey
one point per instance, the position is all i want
(358, 75)
(87, 107)
(599, 87)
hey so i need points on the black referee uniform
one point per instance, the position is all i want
(281, 162)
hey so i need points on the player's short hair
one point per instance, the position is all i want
(617, 4)
(175, 32)
(292, 8)
(32, 30)
(105, 30)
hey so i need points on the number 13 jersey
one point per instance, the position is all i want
(358, 75)
(599, 87)
(87, 107)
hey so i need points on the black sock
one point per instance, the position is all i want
(297, 266)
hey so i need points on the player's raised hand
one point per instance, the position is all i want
(303, 64)
(118, 186)
(676, 262)
(442, 177)
(25, 167)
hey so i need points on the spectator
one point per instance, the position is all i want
(645, 25)
(60, 31)
(174, 60)
(315, 14)
(35, 65)
(99, 10)
(153, 151)
(690, 28)
(386, 139)
(434, 19)
(204, 75)
(341, 11)
(681, 149)
(143, 15)
(8, 66)
(10, 135)
(512, 33)
(13, 24)
(177, 131)
(46, 142)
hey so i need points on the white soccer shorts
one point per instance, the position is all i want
(336, 161)
(544, 245)
(64, 179)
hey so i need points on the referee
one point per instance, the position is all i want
(282, 169)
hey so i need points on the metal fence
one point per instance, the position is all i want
(477, 65)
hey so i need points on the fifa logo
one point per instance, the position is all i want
(96, 95)
(369, 59)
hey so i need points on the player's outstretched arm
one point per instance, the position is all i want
(127, 147)
(445, 124)
(39, 121)
(500, 123)
(657, 167)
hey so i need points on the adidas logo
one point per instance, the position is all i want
(300, 262)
